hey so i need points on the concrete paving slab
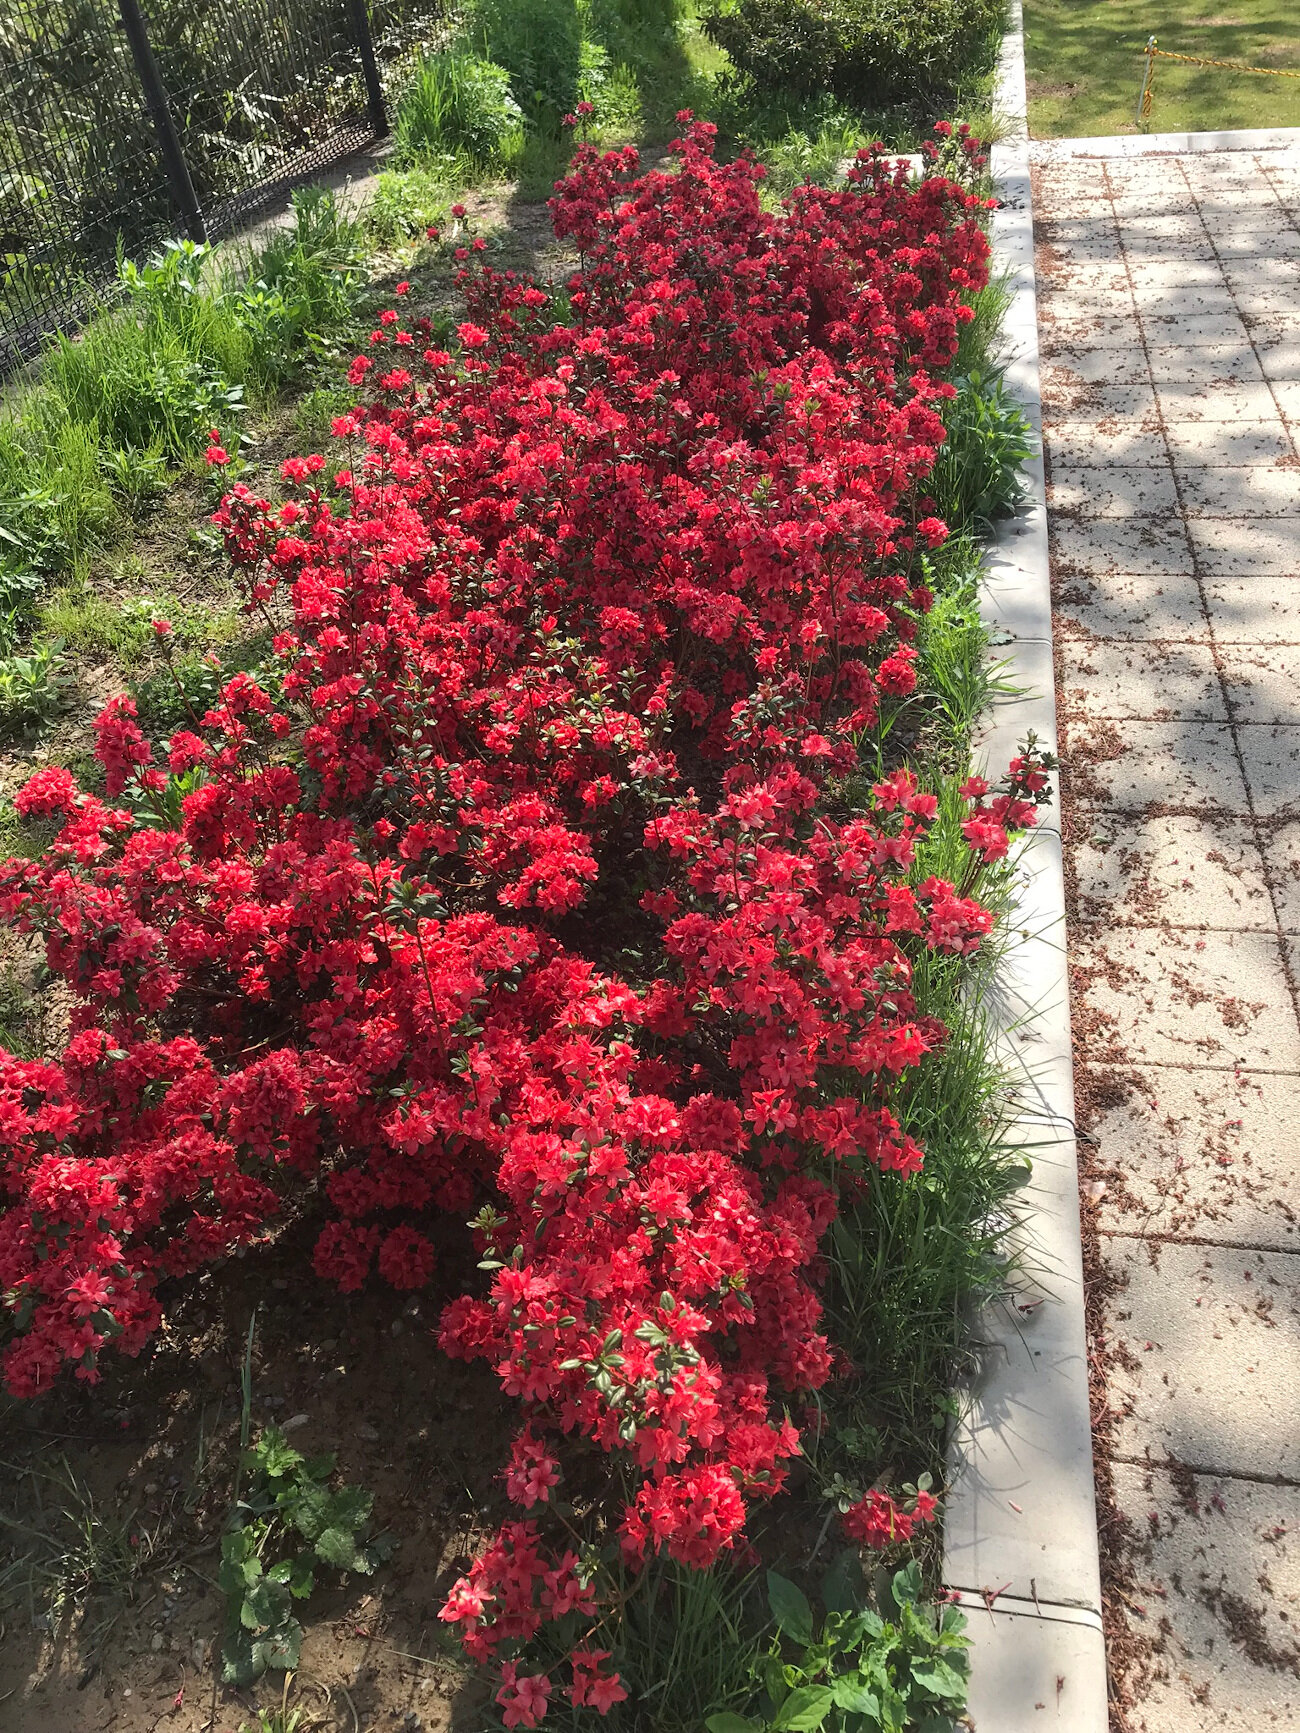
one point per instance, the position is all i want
(1245, 611)
(1117, 679)
(1071, 442)
(1201, 1154)
(1287, 393)
(1233, 243)
(1199, 300)
(1099, 364)
(1261, 683)
(1282, 854)
(1264, 305)
(1210, 1376)
(1087, 282)
(1155, 766)
(1116, 490)
(1216, 402)
(1265, 269)
(1279, 356)
(1147, 545)
(1229, 546)
(1246, 492)
(1090, 404)
(1271, 757)
(1211, 442)
(1219, 1583)
(1208, 364)
(1172, 273)
(1191, 331)
(1037, 1675)
(1176, 868)
(1128, 606)
(1082, 329)
(1175, 996)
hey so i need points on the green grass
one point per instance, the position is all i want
(1084, 62)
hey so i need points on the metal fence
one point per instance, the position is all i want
(122, 121)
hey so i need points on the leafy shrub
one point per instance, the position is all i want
(288, 1503)
(458, 105)
(876, 51)
(863, 1669)
(540, 44)
(977, 476)
(526, 888)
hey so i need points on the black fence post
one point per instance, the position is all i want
(155, 96)
(369, 67)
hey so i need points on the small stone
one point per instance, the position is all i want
(368, 1432)
(294, 1422)
(156, 1642)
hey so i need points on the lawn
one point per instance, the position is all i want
(1084, 64)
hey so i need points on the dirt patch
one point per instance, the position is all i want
(112, 1617)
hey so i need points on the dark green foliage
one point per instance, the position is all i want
(977, 477)
(875, 51)
(458, 105)
(861, 1668)
(287, 1524)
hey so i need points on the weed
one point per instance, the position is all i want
(302, 286)
(280, 1719)
(540, 45)
(860, 1669)
(976, 479)
(137, 474)
(33, 688)
(405, 203)
(71, 1549)
(287, 1504)
(21, 1019)
(456, 106)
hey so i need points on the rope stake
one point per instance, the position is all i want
(1153, 53)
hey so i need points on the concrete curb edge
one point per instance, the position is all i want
(1020, 1536)
(1118, 145)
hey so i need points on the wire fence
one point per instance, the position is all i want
(257, 95)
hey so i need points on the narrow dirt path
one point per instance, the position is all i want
(1170, 323)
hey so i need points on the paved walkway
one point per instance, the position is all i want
(1170, 324)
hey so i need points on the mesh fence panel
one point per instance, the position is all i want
(263, 93)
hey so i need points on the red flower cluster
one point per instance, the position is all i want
(519, 886)
(878, 1520)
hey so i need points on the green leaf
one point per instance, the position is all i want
(850, 1693)
(726, 1722)
(338, 1547)
(804, 1709)
(282, 1648)
(301, 1576)
(274, 1455)
(907, 1584)
(790, 1608)
(938, 1677)
(843, 1590)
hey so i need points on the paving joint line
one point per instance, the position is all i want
(1169, 1238)
(1194, 558)
(1176, 1465)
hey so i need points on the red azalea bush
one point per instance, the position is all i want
(518, 889)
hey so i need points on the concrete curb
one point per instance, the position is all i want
(1020, 1531)
(1164, 143)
